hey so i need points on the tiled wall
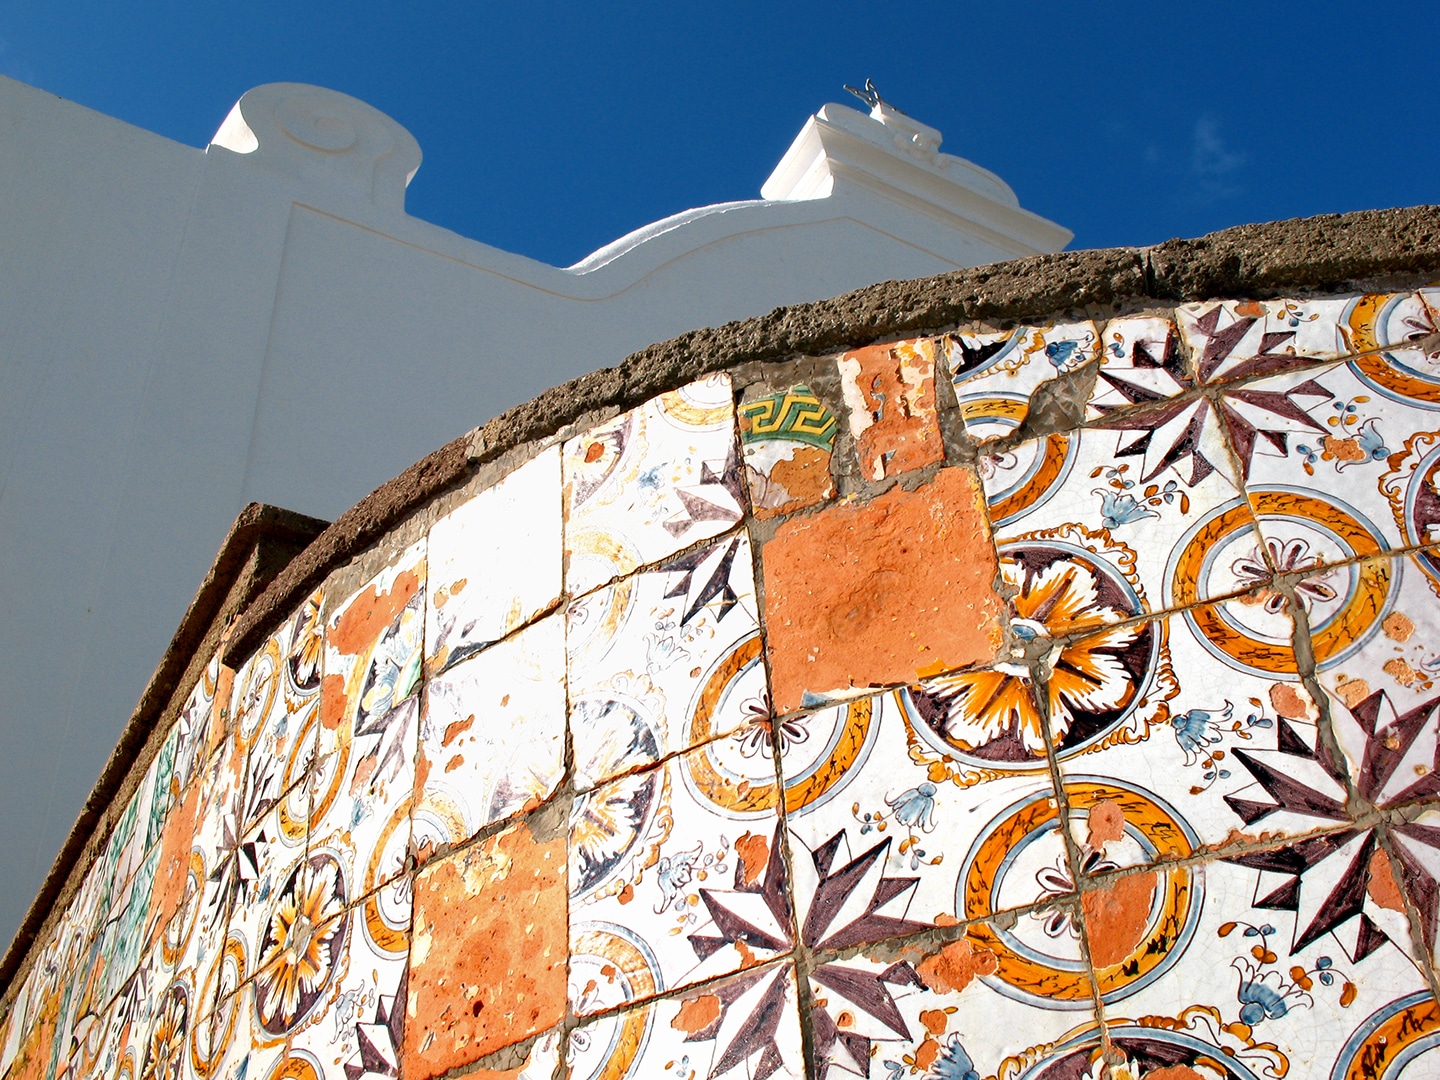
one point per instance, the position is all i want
(1021, 703)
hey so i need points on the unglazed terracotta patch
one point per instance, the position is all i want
(487, 961)
(890, 391)
(881, 593)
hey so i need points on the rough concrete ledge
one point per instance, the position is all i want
(261, 542)
(1330, 253)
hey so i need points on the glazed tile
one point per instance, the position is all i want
(983, 1004)
(676, 876)
(654, 480)
(266, 862)
(1232, 339)
(1190, 732)
(890, 394)
(787, 439)
(1287, 961)
(495, 562)
(664, 660)
(1090, 514)
(742, 1027)
(1140, 363)
(995, 373)
(492, 737)
(363, 776)
(488, 956)
(894, 828)
(541, 1061)
(837, 622)
(356, 1027)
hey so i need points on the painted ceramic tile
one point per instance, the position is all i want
(1207, 738)
(653, 481)
(488, 956)
(786, 439)
(241, 1047)
(1232, 339)
(495, 562)
(364, 773)
(1090, 533)
(1140, 364)
(541, 1061)
(837, 623)
(357, 1029)
(973, 1006)
(995, 373)
(890, 393)
(664, 660)
(742, 1027)
(676, 876)
(1294, 962)
(492, 738)
(893, 829)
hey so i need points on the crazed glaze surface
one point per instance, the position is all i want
(1015, 702)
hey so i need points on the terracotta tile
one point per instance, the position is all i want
(837, 615)
(890, 392)
(654, 480)
(676, 876)
(488, 954)
(495, 562)
(995, 373)
(981, 1004)
(538, 1062)
(492, 738)
(787, 439)
(664, 660)
(746, 1026)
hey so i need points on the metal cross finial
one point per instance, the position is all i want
(869, 95)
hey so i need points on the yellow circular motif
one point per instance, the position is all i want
(635, 980)
(1389, 1042)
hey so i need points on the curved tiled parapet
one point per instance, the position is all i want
(1024, 673)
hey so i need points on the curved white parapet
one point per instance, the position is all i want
(184, 331)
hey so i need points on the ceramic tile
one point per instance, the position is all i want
(995, 373)
(363, 776)
(1232, 339)
(742, 1027)
(675, 876)
(664, 660)
(786, 440)
(241, 1047)
(1187, 733)
(357, 1028)
(981, 1004)
(1295, 964)
(541, 1061)
(837, 620)
(488, 956)
(268, 861)
(894, 829)
(1090, 532)
(890, 394)
(495, 562)
(656, 479)
(1140, 363)
(492, 738)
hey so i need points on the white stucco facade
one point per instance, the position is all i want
(183, 331)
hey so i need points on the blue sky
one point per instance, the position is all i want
(552, 128)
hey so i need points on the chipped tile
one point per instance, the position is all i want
(995, 373)
(890, 393)
(787, 439)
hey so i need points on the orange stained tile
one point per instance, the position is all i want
(882, 593)
(890, 390)
(488, 955)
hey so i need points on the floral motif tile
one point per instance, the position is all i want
(492, 737)
(890, 394)
(676, 876)
(970, 1006)
(495, 562)
(1187, 733)
(488, 956)
(656, 479)
(1295, 961)
(787, 439)
(363, 776)
(837, 621)
(895, 827)
(742, 1027)
(995, 373)
(1093, 529)
(664, 660)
